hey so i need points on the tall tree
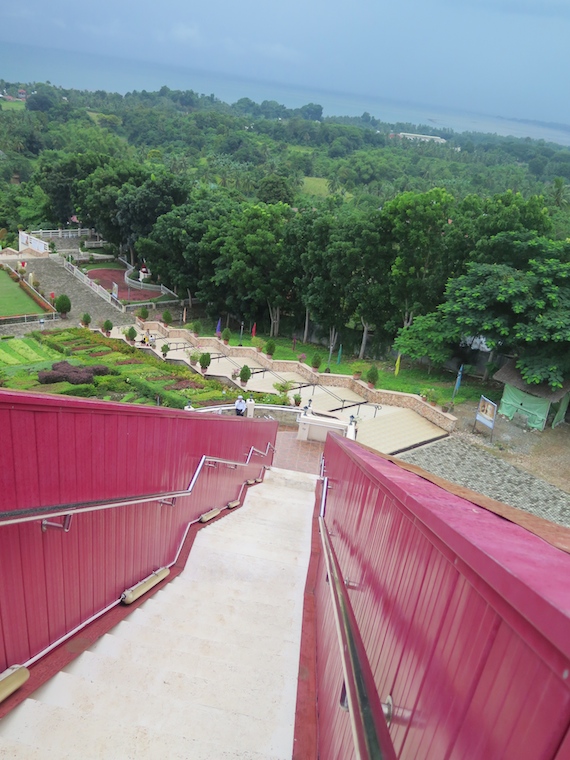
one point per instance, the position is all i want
(416, 224)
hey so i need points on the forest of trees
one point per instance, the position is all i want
(279, 215)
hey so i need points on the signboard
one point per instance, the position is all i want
(486, 413)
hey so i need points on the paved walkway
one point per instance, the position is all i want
(53, 277)
(468, 465)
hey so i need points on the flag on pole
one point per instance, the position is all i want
(219, 326)
(254, 330)
(338, 358)
(397, 367)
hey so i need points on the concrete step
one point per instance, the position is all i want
(207, 667)
(47, 732)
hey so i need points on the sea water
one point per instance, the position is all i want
(87, 71)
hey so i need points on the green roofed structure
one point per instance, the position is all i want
(531, 401)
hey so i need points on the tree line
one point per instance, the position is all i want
(421, 242)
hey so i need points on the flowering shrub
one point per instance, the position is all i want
(302, 357)
(66, 372)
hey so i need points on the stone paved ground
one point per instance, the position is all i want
(468, 465)
(53, 277)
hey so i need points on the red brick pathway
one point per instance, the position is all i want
(302, 456)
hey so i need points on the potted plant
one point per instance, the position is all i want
(244, 374)
(142, 313)
(257, 343)
(194, 357)
(86, 320)
(63, 305)
(235, 374)
(316, 362)
(429, 395)
(107, 327)
(226, 335)
(358, 368)
(167, 317)
(205, 360)
(196, 327)
(270, 348)
(165, 348)
(302, 357)
(372, 376)
(297, 399)
(447, 407)
(131, 334)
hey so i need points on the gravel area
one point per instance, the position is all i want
(469, 465)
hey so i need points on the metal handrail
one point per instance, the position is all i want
(369, 729)
(16, 516)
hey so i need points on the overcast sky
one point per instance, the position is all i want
(498, 57)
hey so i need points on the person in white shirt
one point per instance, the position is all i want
(240, 406)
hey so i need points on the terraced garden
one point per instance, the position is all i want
(78, 362)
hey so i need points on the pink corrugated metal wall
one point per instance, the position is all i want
(57, 451)
(465, 618)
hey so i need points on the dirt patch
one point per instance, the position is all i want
(128, 361)
(544, 454)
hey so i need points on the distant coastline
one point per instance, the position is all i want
(87, 71)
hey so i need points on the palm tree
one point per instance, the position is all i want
(560, 192)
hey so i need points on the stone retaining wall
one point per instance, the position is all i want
(372, 395)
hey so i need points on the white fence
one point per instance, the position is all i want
(72, 233)
(29, 241)
(144, 285)
(98, 289)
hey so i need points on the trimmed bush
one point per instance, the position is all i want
(226, 333)
(142, 312)
(86, 319)
(63, 305)
(244, 373)
(205, 360)
(167, 317)
(372, 375)
(107, 325)
(316, 361)
(270, 347)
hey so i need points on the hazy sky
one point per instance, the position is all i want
(499, 57)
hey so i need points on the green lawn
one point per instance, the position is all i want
(316, 186)
(103, 265)
(13, 300)
(12, 105)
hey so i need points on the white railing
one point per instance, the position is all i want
(72, 233)
(29, 241)
(98, 289)
(145, 285)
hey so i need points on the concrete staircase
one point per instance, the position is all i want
(206, 669)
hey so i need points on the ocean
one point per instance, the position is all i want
(25, 63)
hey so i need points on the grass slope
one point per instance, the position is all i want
(13, 300)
